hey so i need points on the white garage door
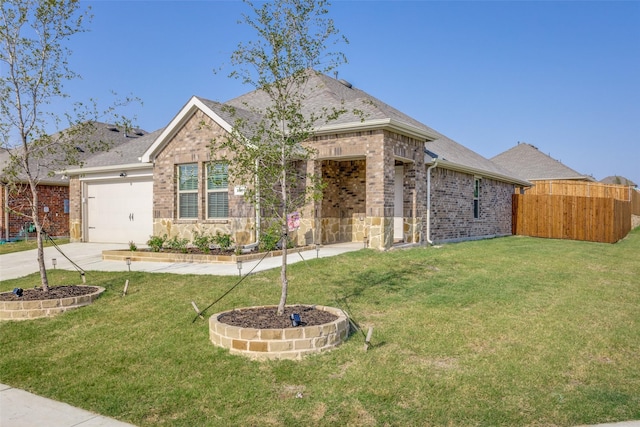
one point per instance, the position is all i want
(119, 211)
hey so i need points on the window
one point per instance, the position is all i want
(188, 191)
(476, 198)
(217, 190)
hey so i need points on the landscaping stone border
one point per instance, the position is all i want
(122, 255)
(26, 310)
(287, 343)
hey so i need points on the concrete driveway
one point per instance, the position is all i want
(88, 256)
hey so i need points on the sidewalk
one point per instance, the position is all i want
(19, 408)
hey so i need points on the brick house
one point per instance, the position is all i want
(53, 191)
(53, 200)
(389, 178)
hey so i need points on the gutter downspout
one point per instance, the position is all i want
(433, 166)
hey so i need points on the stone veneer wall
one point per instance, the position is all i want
(452, 207)
(75, 209)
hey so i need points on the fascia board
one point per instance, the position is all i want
(390, 124)
(176, 124)
(109, 168)
(446, 164)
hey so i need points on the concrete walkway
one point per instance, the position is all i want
(19, 408)
(89, 257)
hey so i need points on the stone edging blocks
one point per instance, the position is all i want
(26, 310)
(287, 343)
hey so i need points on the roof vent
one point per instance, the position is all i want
(114, 129)
(346, 83)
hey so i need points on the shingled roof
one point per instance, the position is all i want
(528, 162)
(322, 91)
(618, 180)
(112, 135)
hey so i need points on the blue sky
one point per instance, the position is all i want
(563, 76)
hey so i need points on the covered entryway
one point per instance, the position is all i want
(119, 211)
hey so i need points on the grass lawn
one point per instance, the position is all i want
(513, 331)
(25, 245)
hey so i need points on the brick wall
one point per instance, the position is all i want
(452, 207)
(50, 197)
(191, 145)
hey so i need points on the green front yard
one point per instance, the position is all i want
(511, 331)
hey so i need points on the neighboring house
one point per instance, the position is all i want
(526, 161)
(53, 191)
(619, 180)
(53, 198)
(389, 179)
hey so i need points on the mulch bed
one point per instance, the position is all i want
(267, 317)
(55, 292)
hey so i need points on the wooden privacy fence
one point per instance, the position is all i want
(635, 202)
(581, 188)
(596, 219)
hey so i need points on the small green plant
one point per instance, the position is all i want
(132, 246)
(177, 244)
(202, 241)
(156, 242)
(224, 240)
(269, 238)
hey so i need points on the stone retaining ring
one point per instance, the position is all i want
(26, 310)
(286, 343)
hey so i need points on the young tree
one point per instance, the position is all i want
(34, 65)
(267, 144)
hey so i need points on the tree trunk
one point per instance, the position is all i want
(283, 277)
(44, 281)
(285, 228)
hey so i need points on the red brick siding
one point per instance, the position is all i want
(55, 222)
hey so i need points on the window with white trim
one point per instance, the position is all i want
(217, 190)
(476, 198)
(188, 191)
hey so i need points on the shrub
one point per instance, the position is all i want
(177, 244)
(132, 246)
(224, 240)
(269, 238)
(202, 241)
(156, 242)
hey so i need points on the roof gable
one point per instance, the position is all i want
(527, 161)
(215, 110)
